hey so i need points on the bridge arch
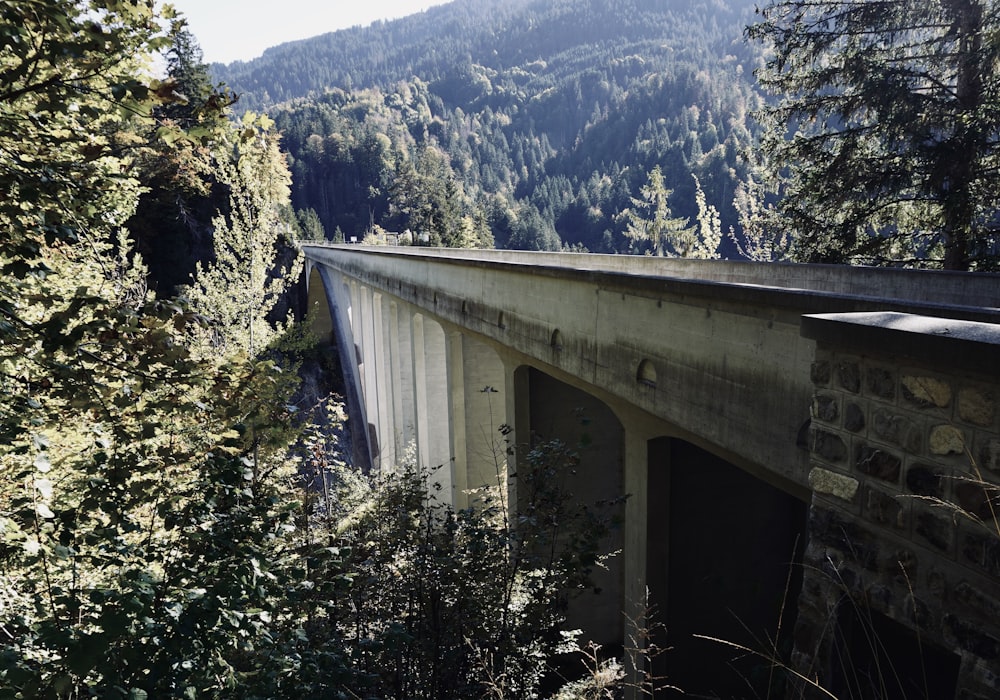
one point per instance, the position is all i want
(548, 410)
(723, 559)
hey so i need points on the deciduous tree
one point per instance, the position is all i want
(245, 280)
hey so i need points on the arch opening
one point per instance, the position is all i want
(556, 341)
(724, 559)
(585, 425)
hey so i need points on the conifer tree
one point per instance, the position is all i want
(654, 222)
(889, 127)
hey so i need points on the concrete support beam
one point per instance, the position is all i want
(478, 405)
(338, 315)
(368, 372)
(384, 387)
(458, 410)
(403, 407)
(420, 408)
(430, 372)
(517, 397)
(634, 549)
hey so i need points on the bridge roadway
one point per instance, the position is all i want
(693, 384)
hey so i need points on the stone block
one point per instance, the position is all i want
(979, 499)
(936, 531)
(976, 406)
(966, 635)
(966, 694)
(925, 480)
(880, 598)
(849, 376)
(845, 540)
(884, 509)
(989, 454)
(854, 418)
(984, 605)
(981, 549)
(926, 392)
(825, 408)
(919, 613)
(829, 446)
(902, 567)
(821, 373)
(881, 382)
(833, 484)
(987, 675)
(937, 583)
(898, 430)
(878, 464)
(946, 440)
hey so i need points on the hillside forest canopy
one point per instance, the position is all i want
(821, 132)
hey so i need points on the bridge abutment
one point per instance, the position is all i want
(902, 574)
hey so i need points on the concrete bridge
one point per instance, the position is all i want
(809, 452)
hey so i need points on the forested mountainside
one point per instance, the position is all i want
(532, 122)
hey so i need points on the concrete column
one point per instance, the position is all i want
(382, 349)
(317, 304)
(478, 389)
(517, 400)
(636, 477)
(457, 407)
(419, 377)
(353, 298)
(369, 371)
(439, 410)
(404, 416)
(430, 373)
(644, 508)
(341, 313)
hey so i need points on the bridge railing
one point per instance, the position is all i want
(971, 296)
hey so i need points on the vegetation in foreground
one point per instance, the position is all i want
(161, 532)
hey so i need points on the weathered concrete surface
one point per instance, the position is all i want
(733, 371)
(845, 388)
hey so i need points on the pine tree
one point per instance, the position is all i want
(654, 223)
(894, 125)
(117, 446)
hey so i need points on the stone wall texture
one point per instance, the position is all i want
(905, 472)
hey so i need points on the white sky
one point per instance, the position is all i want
(238, 30)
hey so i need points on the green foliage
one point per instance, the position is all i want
(138, 510)
(458, 604)
(310, 225)
(170, 226)
(240, 286)
(654, 224)
(887, 124)
(757, 240)
(163, 530)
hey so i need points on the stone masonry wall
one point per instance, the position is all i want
(905, 458)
